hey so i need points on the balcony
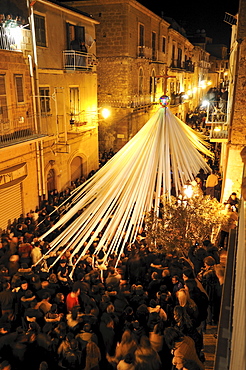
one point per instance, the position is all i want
(218, 132)
(139, 101)
(216, 122)
(145, 52)
(176, 99)
(135, 101)
(19, 129)
(204, 64)
(14, 37)
(187, 66)
(78, 61)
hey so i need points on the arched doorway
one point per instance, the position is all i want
(76, 167)
(51, 181)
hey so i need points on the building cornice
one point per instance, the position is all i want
(63, 8)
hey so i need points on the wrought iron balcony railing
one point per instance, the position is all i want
(185, 65)
(20, 128)
(218, 131)
(216, 120)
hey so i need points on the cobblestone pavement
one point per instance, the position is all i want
(209, 346)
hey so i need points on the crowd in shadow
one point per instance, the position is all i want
(148, 313)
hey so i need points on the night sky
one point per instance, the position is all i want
(195, 14)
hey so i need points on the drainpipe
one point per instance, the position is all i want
(42, 168)
(35, 87)
(33, 94)
(39, 171)
(36, 130)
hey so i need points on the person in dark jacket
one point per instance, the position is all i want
(7, 300)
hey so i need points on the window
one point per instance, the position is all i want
(44, 94)
(172, 90)
(75, 36)
(40, 33)
(140, 82)
(3, 100)
(19, 88)
(153, 42)
(141, 35)
(179, 57)
(173, 53)
(179, 54)
(152, 86)
(74, 102)
(163, 49)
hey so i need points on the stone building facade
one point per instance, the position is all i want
(236, 109)
(48, 104)
(18, 166)
(141, 56)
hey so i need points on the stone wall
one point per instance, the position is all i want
(237, 137)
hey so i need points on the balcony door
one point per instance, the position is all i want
(3, 101)
(153, 43)
(75, 36)
(51, 180)
(141, 40)
(152, 86)
(76, 168)
(74, 103)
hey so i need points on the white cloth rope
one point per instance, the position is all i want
(116, 198)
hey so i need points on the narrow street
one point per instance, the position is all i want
(210, 346)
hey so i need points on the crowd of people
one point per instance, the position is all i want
(148, 313)
(214, 111)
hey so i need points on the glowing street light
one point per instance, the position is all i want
(105, 113)
(205, 103)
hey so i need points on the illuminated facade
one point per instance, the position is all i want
(141, 57)
(48, 104)
(233, 166)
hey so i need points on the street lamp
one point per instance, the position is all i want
(105, 113)
(205, 103)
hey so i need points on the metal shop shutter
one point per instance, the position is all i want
(10, 205)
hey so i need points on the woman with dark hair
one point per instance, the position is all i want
(182, 347)
(60, 301)
(184, 325)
